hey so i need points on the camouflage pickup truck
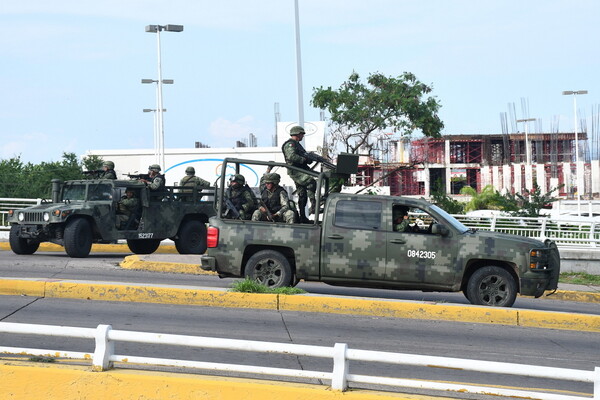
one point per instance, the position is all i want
(355, 242)
(83, 212)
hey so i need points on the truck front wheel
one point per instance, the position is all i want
(269, 268)
(191, 238)
(19, 245)
(143, 246)
(78, 238)
(492, 286)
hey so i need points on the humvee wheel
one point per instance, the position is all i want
(269, 268)
(78, 238)
(19, 245)
(143, 246)
(492, 286)
(192, 238)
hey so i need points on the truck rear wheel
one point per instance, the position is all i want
(78, 238)
(492, 286)
(143, 246)
(191, 238)
(269, 268)
(19, 245)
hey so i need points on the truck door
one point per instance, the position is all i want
(415, 255)
(353, 240)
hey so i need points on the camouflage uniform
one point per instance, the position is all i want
(125, 208)
(305, 184)
(109, 172)
(191, 180)
(275, 200)
(157, 181)
(403, 225)
(241, 196)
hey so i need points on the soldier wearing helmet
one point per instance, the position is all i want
(156, 180)
(240, 200)
(108, 171)
(400, 217)
(192, 181)
(274, 202)
(305, 184)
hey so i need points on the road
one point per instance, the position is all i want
(105, 267)
(568, 349)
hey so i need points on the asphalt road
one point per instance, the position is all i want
(105, 267)
(547, 347)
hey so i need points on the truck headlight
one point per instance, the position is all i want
(21, 217)
(46, 217)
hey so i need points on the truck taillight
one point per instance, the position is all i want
(212, 236)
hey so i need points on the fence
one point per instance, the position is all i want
(10, 204)
(566, 232)
(105, 338)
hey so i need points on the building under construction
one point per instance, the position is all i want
(418, 167)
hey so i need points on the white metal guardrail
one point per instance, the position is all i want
(566, 232)
(11, 204)
(105, 337)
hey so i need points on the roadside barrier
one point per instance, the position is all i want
(105, 337)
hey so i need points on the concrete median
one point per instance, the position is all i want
(212, 297)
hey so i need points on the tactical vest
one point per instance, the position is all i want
(238, 200)
(273, 203)
(298, 145)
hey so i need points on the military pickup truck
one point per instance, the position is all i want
(354, 243)
(83, 212)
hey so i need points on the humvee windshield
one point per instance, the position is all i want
(74, 192)
(77, 192)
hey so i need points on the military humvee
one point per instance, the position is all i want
(355, 242)
(83, 212)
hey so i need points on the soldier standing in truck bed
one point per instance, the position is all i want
(305, 184)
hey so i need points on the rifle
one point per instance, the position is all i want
(317, 158)
(231, 207)
(94, 172)
(139, 176)
(269, 215)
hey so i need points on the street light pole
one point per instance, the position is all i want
(155, 131)
(580, 184)
(161, 136)
(159, 149)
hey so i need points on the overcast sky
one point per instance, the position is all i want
(71, 69)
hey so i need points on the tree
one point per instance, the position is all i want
(487, 199)
(358, 111)
(530, 203)
(19, 180)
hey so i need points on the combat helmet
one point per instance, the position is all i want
(272, 178)
(190, 171)
(297, 130)
(109, 164)
(154, 167)
(239, 178)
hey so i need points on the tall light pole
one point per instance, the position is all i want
(157, 29)
(159, 142)
(580, 188)
(299, 68)
(155, 132)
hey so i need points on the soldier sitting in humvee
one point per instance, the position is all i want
(126, 209)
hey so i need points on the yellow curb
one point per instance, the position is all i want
(134, 262)
(98, 248)
(159, 295)
(19, 287)
(302, 303)
(27, 380)
(566, 295)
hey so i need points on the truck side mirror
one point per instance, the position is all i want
(438, 229)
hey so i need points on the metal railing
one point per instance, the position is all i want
(105, 337)
(564, 232)
(11, 204)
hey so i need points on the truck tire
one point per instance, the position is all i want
(78, 238)
(191, 238)
(269, 268)
(143, 246)
(19, 245)
(492, 286)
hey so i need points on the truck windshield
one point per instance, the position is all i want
(450, 219)
(74, 193)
